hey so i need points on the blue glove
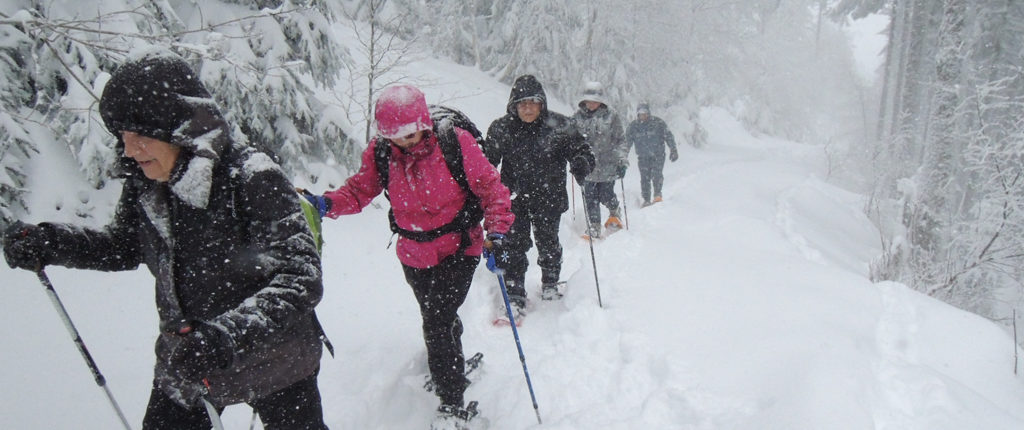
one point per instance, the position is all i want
(321, 203)
(495, 252)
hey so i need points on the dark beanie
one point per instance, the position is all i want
(525, 87)
(150, 95)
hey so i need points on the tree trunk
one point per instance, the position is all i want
(931, 233)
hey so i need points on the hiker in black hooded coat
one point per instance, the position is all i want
(219, 226)
(532, 145)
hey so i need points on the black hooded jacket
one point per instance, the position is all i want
(224, 237)
(533, 155)
(650, 138)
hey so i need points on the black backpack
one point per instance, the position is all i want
(445, 120)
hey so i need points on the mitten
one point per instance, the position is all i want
(25, 246)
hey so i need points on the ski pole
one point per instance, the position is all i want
(100, 380)
(212, 412)
(210, 409)
(593, 259)
(625, 210)
(493, 267)
(572, 184)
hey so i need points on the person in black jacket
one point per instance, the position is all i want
(532, 146)
(220, 228)
(650, 135)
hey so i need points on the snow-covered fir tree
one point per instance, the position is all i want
(950, 145)
(265, 62)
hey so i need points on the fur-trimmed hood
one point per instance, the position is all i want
(157, 94)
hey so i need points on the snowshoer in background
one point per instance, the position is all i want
(439, 256)
(533, 145)
(650, 135)
(217, 223)
(602, 128)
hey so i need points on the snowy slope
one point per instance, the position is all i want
(741, 302)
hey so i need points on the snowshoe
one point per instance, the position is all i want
(593, 233)
(657, 199)
(518, 306)
(613, 224)
(551, 291)
(472, 363)
(450, 417)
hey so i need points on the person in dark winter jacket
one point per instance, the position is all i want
(425, 198)
(602, 128)
(219, 227)
(650, 135)
(532, 145)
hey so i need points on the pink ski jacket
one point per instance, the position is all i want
(424, 196)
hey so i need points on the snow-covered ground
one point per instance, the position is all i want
(741, 302)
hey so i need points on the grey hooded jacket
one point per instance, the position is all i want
(602, 129)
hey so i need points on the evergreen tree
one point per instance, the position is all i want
(16, 90)
(952, 140)
(265, 62)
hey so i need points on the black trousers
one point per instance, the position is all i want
(651, 176)
(296, 407)
(543, 222)
(440, 291)
(596, 194)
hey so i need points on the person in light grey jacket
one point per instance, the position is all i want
(602, 129)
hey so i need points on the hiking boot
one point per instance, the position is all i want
(613, 223)
(593, 232)
(451, 417)
(549, 291)
(657, 199)
(646, 203)
(518, 304)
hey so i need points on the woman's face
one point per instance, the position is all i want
(155, 157)
(409, 140)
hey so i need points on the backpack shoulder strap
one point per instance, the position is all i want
(382, 158)
(451, 149)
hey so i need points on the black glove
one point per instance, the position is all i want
(25, 246)
(673, 155)
(580, 169)
(621, 170)
(202, 350)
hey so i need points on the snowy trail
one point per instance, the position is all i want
(741, 302)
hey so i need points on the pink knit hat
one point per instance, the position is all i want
(402, 110)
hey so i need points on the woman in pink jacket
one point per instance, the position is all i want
(426, 201)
